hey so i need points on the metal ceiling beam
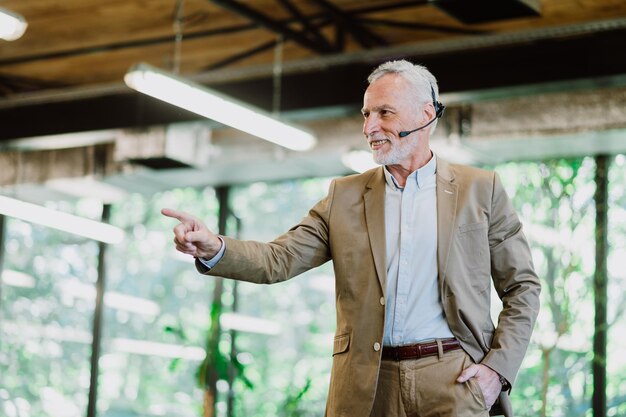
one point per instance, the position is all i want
(361, 34)
(304, 21)
(273, 25)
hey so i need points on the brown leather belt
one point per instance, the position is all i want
(420, 350)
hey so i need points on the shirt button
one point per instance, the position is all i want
(376, 346)
(382, 301)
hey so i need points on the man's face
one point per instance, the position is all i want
(390, 107)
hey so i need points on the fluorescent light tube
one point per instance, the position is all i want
(62, 221)
(217, 106)
(12, 25)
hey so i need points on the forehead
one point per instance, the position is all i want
(390, 89)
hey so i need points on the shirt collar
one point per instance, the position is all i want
(420, 176)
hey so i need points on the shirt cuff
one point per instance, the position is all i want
(210, 263)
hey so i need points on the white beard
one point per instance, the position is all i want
(401, 150)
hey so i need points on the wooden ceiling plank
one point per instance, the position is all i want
(110, 66)
(109, 22)
(65, 38)
(124, 45)
(412, 25)
(241, 56)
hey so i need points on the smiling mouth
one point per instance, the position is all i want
(377, 143)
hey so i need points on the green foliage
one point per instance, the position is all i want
(292, 406)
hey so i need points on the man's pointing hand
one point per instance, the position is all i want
(191, 235)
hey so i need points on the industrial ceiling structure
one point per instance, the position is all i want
(65, 75)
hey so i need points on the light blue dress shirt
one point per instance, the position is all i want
(413, 310)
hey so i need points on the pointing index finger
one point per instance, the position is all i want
(175, 214)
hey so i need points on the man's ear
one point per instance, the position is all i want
(428, 112)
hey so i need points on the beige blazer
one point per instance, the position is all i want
(479, 241)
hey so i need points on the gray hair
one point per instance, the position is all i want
(423, 82)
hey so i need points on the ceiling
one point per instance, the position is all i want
(65, 74)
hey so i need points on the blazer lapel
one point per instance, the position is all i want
(447, 196)
(374, 199)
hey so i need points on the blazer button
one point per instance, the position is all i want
(376, 346)
(382, 301)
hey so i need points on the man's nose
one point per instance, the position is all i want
(370, 125)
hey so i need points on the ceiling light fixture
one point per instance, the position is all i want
(12, 25)
(216, 106)
(61, 221)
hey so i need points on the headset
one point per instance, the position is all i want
(439, 108)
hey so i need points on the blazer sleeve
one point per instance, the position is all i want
(516, 283)
(303, 247)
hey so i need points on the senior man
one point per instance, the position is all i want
(416, 244)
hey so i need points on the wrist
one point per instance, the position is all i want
(213, 250)
(505, 384)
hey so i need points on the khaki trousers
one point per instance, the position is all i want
(427, 387)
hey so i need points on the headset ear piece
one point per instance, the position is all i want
(439, 108)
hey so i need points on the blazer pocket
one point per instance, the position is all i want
(474, 244)
(341, 344)
(469, 227)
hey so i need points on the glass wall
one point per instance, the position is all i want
(555, 201)
(156, 312)
(46, 313)
(157, 309)
(290, 369)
